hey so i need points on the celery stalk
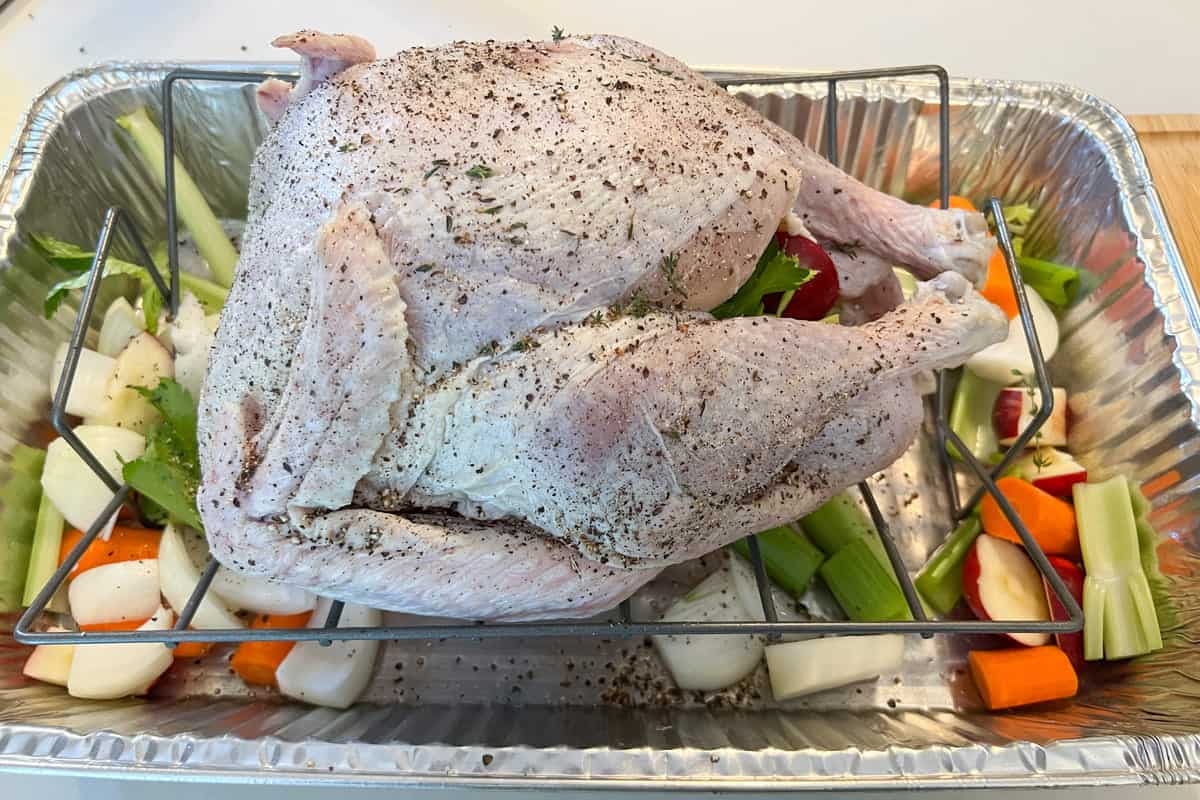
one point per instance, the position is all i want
(1119, 615)
(210, 238)
(971, 415)
(863, 587)
(19, 498)
(1148, 552)
(1056, 284)
(791, 560)
(940, 580)
(47, 542)
(836, 523)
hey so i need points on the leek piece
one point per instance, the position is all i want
(940, 580)
(790, 558)
(194, 212)
(1120, 620)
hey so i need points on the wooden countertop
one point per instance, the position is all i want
(1172, 146)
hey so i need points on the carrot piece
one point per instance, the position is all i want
(192, 649)
(256, 662)
(999, 289)
(956, 201)
(119, 625)
(1050, 520)
(1022, 675)
(125, 544)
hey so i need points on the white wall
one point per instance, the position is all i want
(1141, 55)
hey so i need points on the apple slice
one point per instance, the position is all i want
(1072, 575)
(1053, 471)
(1001, 583)
(121, 324)
(1015, 409)
(50, 663)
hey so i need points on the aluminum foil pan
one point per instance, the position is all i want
(600, 712)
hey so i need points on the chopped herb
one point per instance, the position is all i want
(438, 163)
(490, 349)
(425, 267)
(491, 209)
(515, 240)
(635, 306)
(557, 34)
(526, 343)
(1040, 461)
(449, 223)
(661, 71)
(849, 248)
(595, 318)
(516, 226)
(480, 171)
(668, 266)
(629, 230)
(348, 148)
(567, 232)
(670, 434)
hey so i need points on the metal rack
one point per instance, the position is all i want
(623, 625)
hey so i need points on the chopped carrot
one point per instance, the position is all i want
(956, 201)
(125, 544)
(999, 289)
(1051, 521)
(119, 625)
(256, 662)
(1022, 675)
(192, 649)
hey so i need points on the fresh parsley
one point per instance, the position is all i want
(775, 272)
(167, 475)
(480, 171)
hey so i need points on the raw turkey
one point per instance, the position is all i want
(466, 367)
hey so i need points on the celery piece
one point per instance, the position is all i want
(1148, 553)
(940, 580)
(46, 545)
(1119, 615)
(971, 415)
(194, 212)
(791, 560)
(19, 498)
(863, 587)
(836, 523)
(1057, 285)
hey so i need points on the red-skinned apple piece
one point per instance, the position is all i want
(1072, 575)
(816, 296)
(1015, 410)
(1001, 583)
(1051, 470)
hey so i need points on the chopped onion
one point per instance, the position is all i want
(179, 576)
(107, 671)
(90, 384)
(264, 596)
(120, 592)
(331, 676)
(76, 491)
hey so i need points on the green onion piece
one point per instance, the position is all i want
(940, 580)
(1118, 609)
(790, 558)
(194, 212)
(19, 499)
(971, 415)
(1057, 285)
(863, 587)
(43, 556)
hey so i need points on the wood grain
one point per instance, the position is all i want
(1171, 143)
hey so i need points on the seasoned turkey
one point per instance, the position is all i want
(466, 367)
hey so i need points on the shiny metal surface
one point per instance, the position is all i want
(595, 712)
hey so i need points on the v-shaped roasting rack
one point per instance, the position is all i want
(30, 627)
